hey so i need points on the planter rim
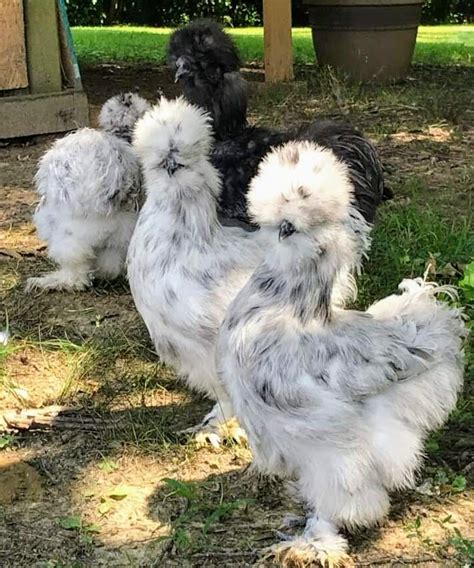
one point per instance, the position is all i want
(375, 3)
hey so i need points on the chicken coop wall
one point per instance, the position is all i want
(40, 89)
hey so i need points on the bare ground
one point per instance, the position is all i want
(92, 491)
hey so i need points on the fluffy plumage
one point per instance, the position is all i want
(311, 180)
(119, 114)
(340, 400)
(89, 185)
(205, 62)
(184, 268)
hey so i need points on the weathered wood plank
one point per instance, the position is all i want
(277, 40)
(42, 46)
(13, 70)
(42, 114)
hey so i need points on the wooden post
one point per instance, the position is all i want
(277, 40)
(42, 46)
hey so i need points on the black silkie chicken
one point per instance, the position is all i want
(206, 63)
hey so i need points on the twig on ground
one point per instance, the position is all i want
(60, 417)
(397, 560)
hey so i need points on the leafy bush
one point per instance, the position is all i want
(447, 12)
(85, 12)
(231, 12)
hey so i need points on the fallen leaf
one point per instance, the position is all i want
(118, 494)
(70, 523)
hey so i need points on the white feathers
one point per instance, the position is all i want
(88, 172)
(171, 126)
(89, 184)
(120, 113)
(341, 400)
(308, 185)
(184, 268)
(338, 399)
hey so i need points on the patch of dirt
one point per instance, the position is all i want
(24, 367)
(114, 478)
(18, 480)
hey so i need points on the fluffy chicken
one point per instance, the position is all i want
(184, 268)
(89, 185)
(339, 400)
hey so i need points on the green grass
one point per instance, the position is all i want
(435, 44)
(405, 239)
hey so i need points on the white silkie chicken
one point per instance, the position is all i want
(184, 268)
(339, 400)
(89, 184)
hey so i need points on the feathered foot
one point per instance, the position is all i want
(59, 280)
(215, 435)
(300, 552)
(320, 544)
(215, 428)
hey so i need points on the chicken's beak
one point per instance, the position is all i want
(182, 69)
(171, 165)
(286, 229)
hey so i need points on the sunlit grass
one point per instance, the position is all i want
(435, 44)
(405, 238)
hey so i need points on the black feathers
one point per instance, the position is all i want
(237, 159)
(206, 63)
(352, 148)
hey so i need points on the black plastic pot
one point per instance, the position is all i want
(368, 39)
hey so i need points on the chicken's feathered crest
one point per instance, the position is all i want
(120, 113)
(206, 62)
(173, 134)
(302, 183)
(206, 47)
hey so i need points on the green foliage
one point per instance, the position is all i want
(184, 489)
(85, 531)
(231, 12)
(163, 13)
(118, 494)
(405, 239)
(464, 547)
(85, 12)
(199, 510)
(451, 483)
(107, 465)
(70, 523)
(459, 484)
(446, 11)
(222, 511)
(6, 440)
(467, 283)
(107, 502)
